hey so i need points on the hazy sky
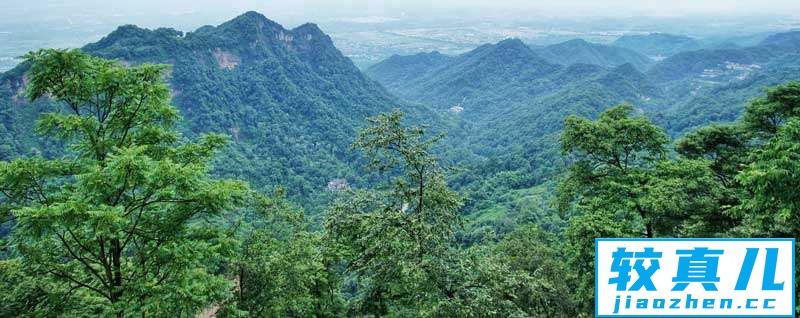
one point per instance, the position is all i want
(31, 24)
(297, 11)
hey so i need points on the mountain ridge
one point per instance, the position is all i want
(581, 51)
(658, 44)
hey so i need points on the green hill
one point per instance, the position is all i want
(579, 51)
(658, 44)
(401, 69)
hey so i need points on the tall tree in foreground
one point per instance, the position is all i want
(284, 269)
(615, 159)
(621, 185)
(771, 205)
(123, 216)
(398, 244)
(394, 238)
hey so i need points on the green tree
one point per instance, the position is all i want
(725, 145)
(772, 207)
(394, 238)
(539, 257)
(614, 159)
(622, 185)
(765, 115)
(26, 295)
(284, 269)
(686, 199)
(771, 203)
(126, 215)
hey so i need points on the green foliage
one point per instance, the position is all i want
(112, 211)
(766, 115)
(283, 269)
(26, 295)
(126, 215)
(728, 180)
(772, 180)
(393, 237)
(622, 185)
(723, 145)
(615, 158)
(539, 256)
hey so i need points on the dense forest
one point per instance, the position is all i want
(246, 170)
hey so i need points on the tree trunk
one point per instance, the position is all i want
(116, 255)
(648, 226)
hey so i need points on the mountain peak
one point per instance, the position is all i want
(511, 43)
(789, 39)
(310, 32)
(125, 31)
(130, 35)
(575, 42)
(308, 28)
(250, 21)
(511, 48)
(251, 16)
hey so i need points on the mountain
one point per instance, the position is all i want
(725, 63)
(658, 44)
(509, 103)
(291, 102)
(721, 103)
(508, 106)
(714, 85)
(484, 71)
(785, 40)
(401, 69)
(493, 79)
(579, 51)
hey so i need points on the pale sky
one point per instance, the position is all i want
(310, 10)
(28, 24)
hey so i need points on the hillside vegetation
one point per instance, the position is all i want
(248, 170)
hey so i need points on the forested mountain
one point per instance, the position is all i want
(579, 51)
(399, 69)
(509, 115)
(682, 91)
(493, 78)
(714, 85)
(496, 86)
(131, 201)
(288, 98)
(509, 104)
(729, 62)
(658, 44)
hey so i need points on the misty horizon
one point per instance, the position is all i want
(368, 31)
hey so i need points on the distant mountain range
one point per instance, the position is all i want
(580, 51)
(510, 101)
(658, 44)
(492, 78)
(770, 52)
(509, 104)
